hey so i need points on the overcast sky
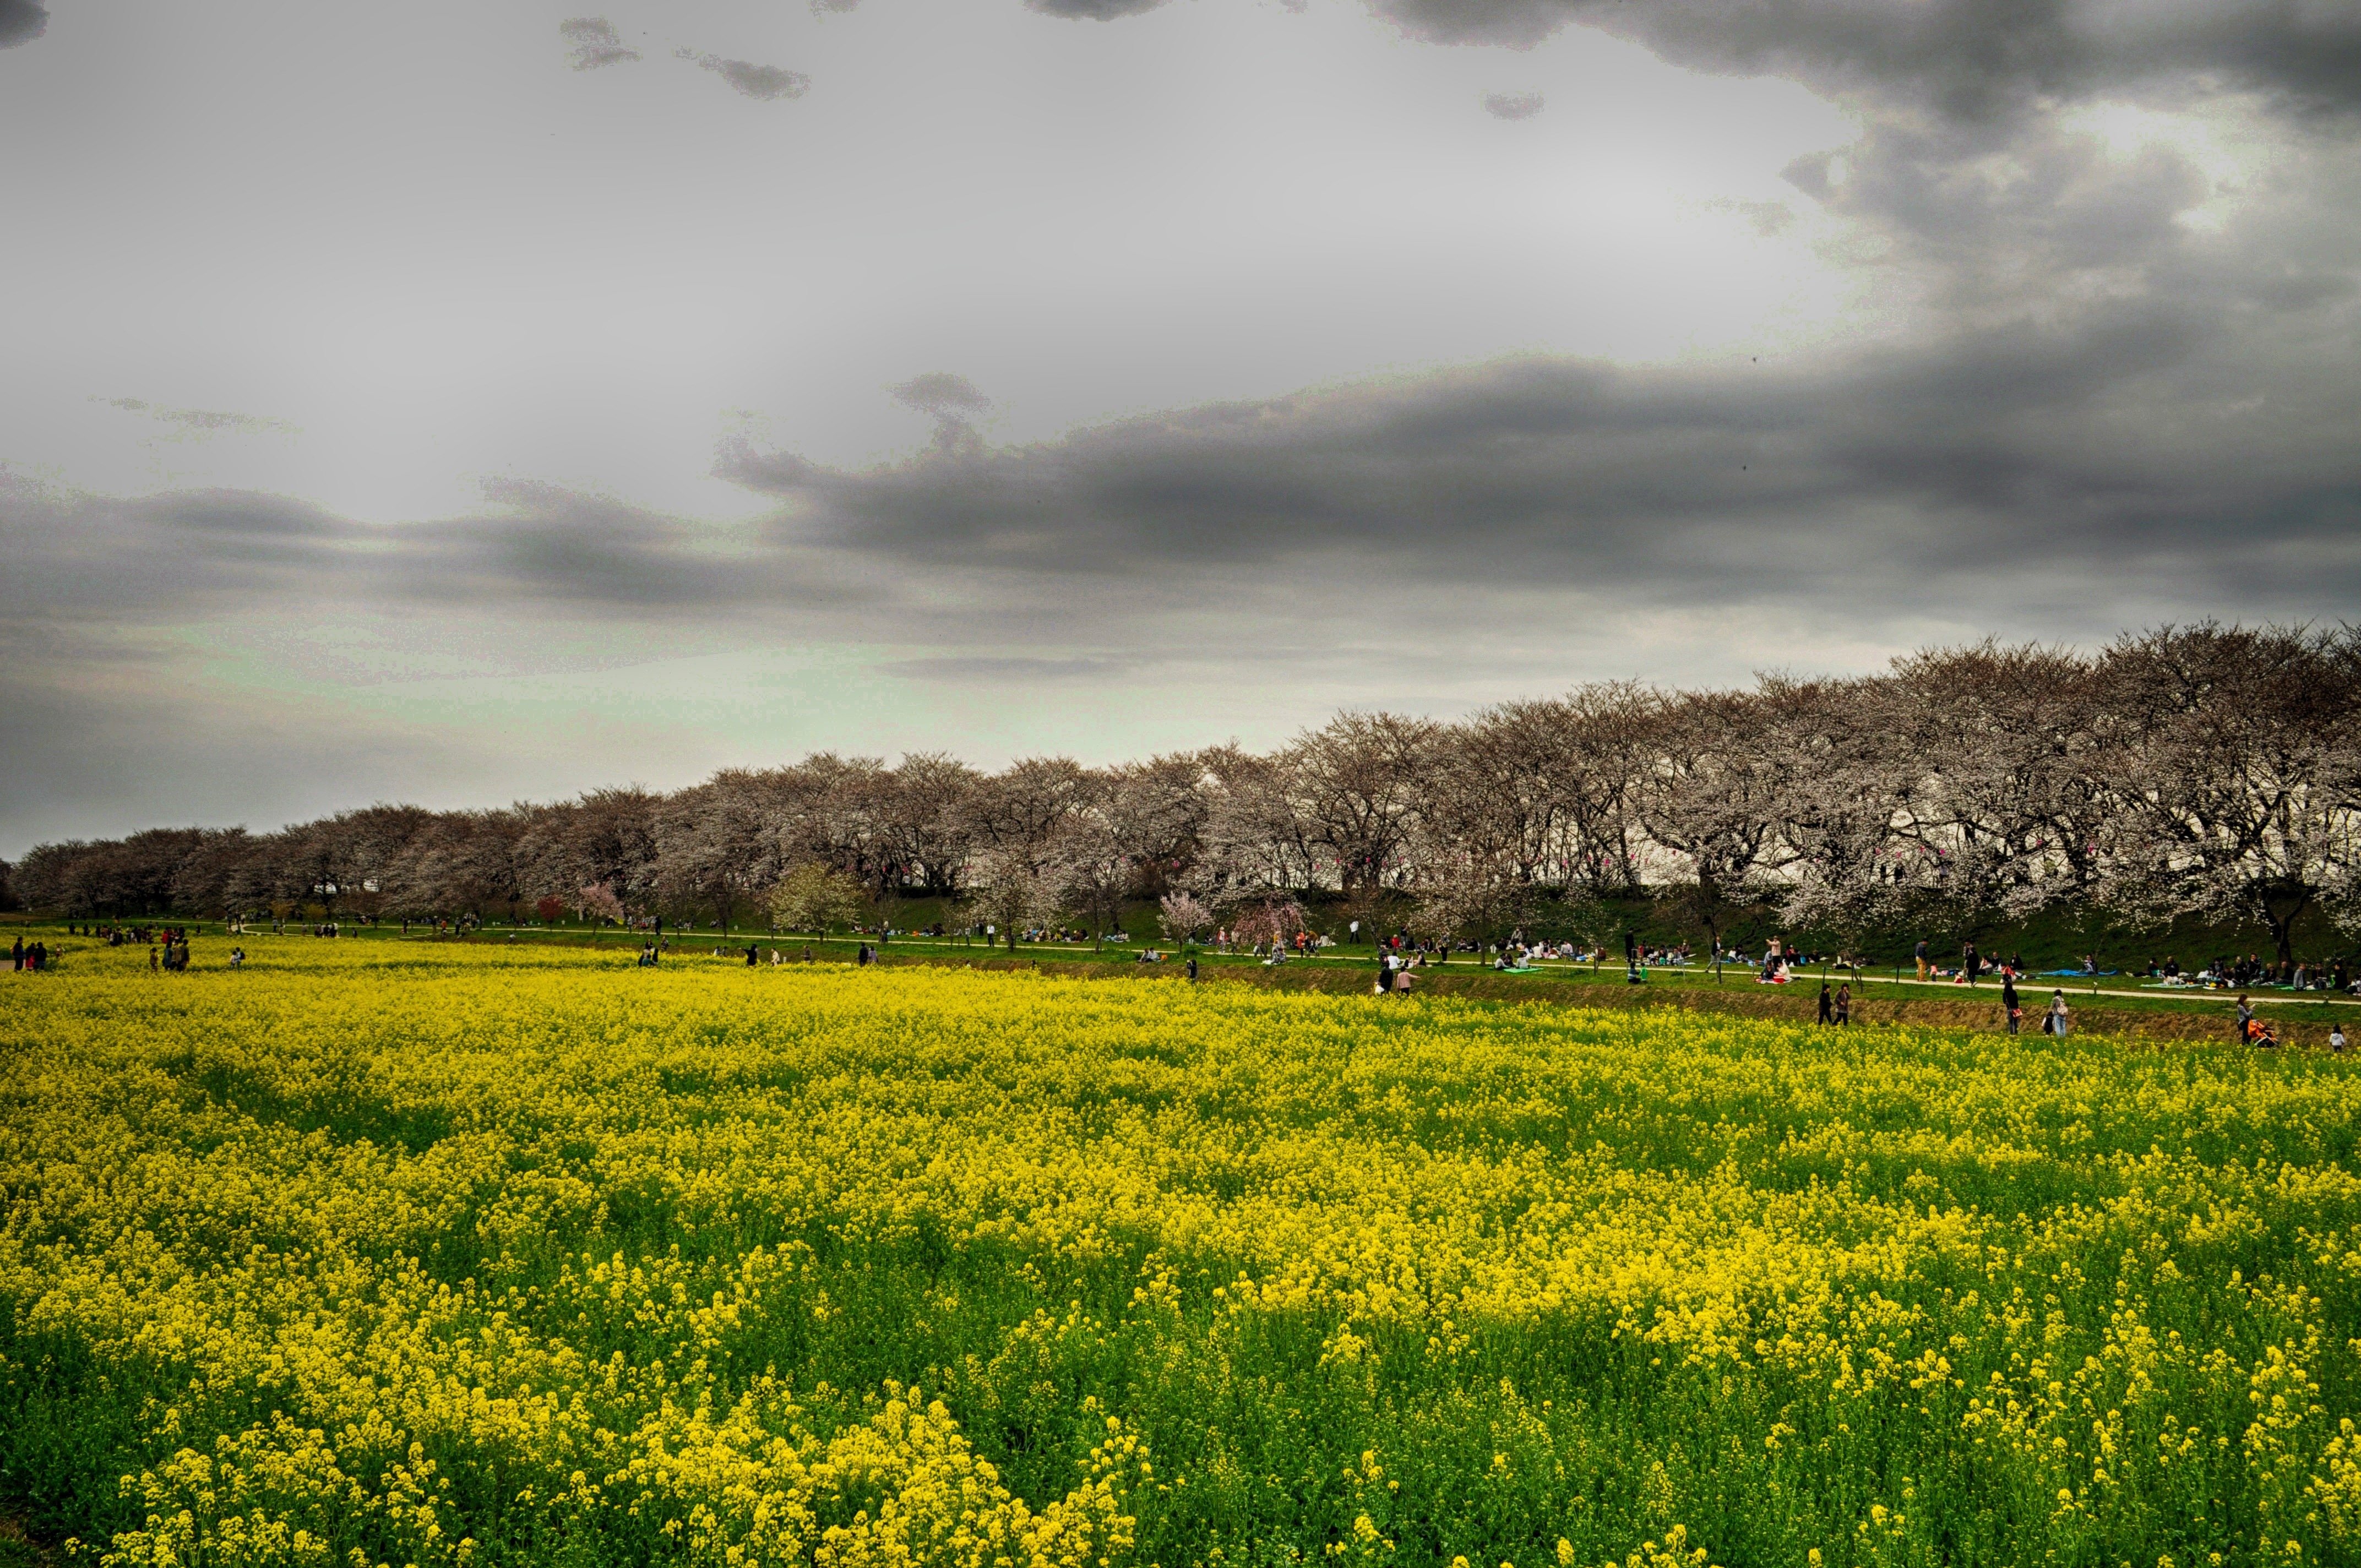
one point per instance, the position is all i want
(467, 403)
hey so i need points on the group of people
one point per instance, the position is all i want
(169, 951)
(2057, 1019)
(130, 936)
(753, 954)
(1971, 965)
(1394, 975)
(2225, 973)
(2261, 1032)
(1276, 949)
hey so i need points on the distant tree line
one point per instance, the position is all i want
(2205, 770)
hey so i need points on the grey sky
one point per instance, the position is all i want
(526, 398)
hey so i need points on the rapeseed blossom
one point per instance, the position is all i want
(380, 1254)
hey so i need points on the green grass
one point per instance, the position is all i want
(1882, 983)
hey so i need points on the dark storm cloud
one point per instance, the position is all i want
(22, 21)
(595, 43)
(188, 556)
(765, 83)
(1512, 106)
(2116, 452)
(2098, 411)
(1973, 58)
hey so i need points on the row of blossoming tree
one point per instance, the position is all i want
(2204, 770)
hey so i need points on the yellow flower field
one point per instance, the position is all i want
(396, 1253)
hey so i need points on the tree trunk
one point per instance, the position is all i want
(2283, 930)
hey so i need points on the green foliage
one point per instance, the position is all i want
(814, 897)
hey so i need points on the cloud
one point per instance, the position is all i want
(952, 399)
(1512, 106)
(596, 43)
(1974, 59)
(1990, 468)
(1968, 59)
(1765, 218)
(190, 554)
(202, 422)
(988, 669)
(942, 394)
(766, 82)
(22, 21)
(1092, 10)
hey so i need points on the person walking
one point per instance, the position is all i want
(2246, 1019)
(1844, 1004)
(2009, 1005)
(2337, 1037)
(16, 955)
(1972, 963)
(2057, 1014)
(1828, 1004)
(1921, 955)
